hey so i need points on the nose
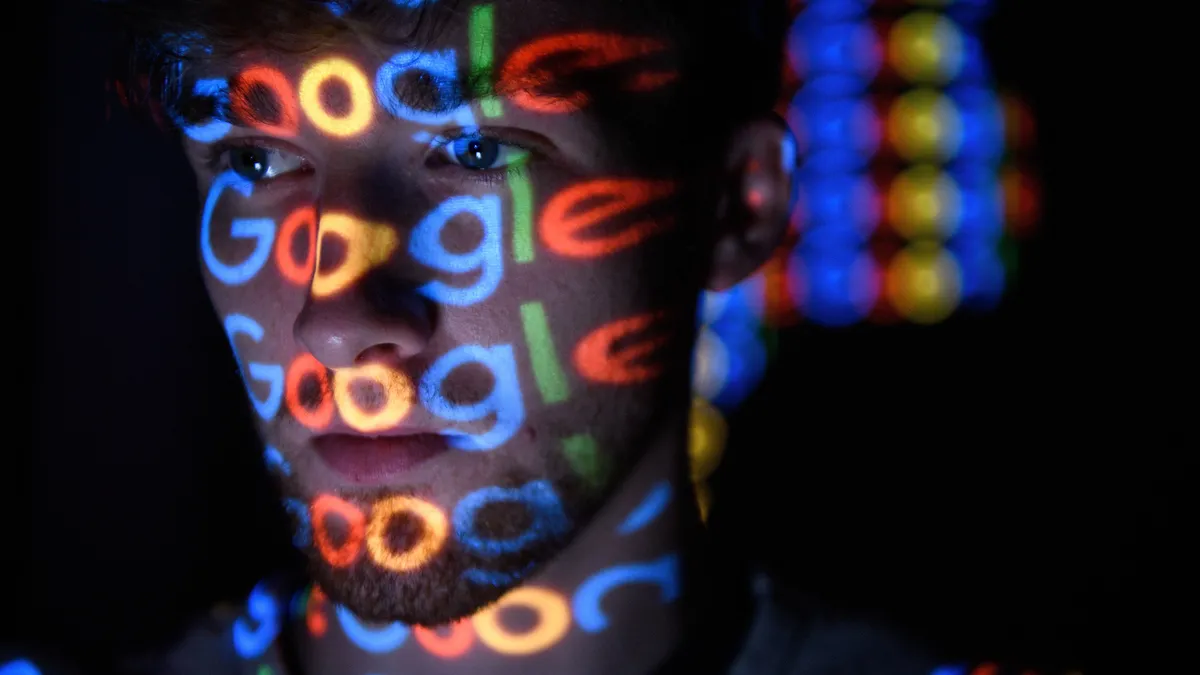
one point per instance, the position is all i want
(376, 320)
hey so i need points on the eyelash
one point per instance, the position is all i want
(443, 143)
(216, 156)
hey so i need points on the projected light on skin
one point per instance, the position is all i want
(252, 635)
(271, 373)
(557, 613)
(523, 330)
(542, 314)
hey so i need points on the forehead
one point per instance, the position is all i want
(611, 66)
(499, 27)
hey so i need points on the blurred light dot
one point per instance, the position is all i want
(924, 125)
(1022, 201)
(923, 282)
(926, 48)
(747, 362)
(818, 46)
(836, 9)
(703, 500)
(712, 305)
(844, 125)
(710, 364)
(797, 280)
(832, 85)
(846, 204)
(840, 285)
(707, 433)
(982, 273)
(924, 202)
(982, 121)
(741, 303)
(19, 667)
(974, 62)
(982, 201)
(1019, 126)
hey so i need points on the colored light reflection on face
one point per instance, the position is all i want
(434, 529)
(554, 619)
(324, 254)
(361, 102)
(598, 359)
(299, 274)
(396, 390)
(524, 73)
(448, 643)
(570, 213)
(283, 97)
(306, 368)
(554, 612)
(366, 245)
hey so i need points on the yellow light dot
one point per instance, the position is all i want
(924, 202)
(924, 125)
(707, 434)
(924, 283)
(926, 48)
(703, 500)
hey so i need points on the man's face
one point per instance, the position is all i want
(458, 317)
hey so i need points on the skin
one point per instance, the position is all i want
(719, 220)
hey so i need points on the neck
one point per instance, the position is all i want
(623, 596)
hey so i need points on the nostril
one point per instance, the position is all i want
(385, 354)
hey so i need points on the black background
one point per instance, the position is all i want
(1002, 486)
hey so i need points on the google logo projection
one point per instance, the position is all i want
(556, 613)
(908, 94)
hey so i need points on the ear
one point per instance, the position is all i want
(752, 212)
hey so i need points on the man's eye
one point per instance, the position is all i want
(481, 153)
(258, 163)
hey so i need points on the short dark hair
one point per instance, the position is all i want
(738, 44)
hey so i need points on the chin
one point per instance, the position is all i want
(450, 588)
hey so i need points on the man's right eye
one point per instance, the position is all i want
(257, 163)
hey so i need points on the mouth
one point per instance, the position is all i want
(365, 459)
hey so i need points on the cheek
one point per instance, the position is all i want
(256, 260)
(253, 267)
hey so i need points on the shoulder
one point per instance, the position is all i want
(790, 637)
(230, 639)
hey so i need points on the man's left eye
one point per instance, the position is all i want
(258, 163)
(481, 153)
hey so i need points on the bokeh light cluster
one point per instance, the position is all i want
(907, 196)
(913, 185)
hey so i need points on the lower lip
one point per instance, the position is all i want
(364, 459)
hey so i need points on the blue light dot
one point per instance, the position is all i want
(840, 285)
